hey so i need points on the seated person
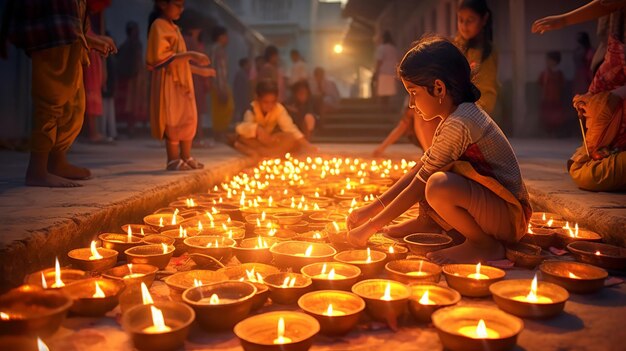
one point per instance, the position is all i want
(301, 108)
(267, 129)
(325, 93)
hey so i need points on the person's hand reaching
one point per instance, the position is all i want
(549, 23)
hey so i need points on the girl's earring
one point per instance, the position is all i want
(440, 101)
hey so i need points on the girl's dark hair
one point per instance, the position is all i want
(433, 58)
(484, 41)
(302, 84)
(217, 32)
(270, 51)
(387, 38)
(266, 87)
(583, 39)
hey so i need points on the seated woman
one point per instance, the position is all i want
(301, 108)
(267, 129)
(468, 180)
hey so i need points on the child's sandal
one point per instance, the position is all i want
(193, 164)
(177, 165)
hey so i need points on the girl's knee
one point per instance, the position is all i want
(441, 188)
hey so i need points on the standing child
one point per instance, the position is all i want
(257, 135)
(301, 108)
(173, 114)
(552, 82)
(242, 86)
(469, 179)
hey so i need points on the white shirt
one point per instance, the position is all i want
(389, 57)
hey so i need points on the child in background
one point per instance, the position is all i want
(173, 114)
(242, 86)
(301, 108)
(552, 83)
(257, 135)
(468, 180)
(201, 85)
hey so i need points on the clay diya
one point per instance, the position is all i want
(94, 297)
(92, 258)
(299, 228)
(219, 306)
(132, 274)
(179, 235)
(277, 331)
(337, 235)
(161, 326)
(427, 298)
(385, 300)
(288, 217)
(286, 288)
(332, 275)
(568, 235)
(297, 254)
(546, 220)
(120, 242)
(163, 221)
(393, 252)
(32, 311)
(529, 298)
(181, 281)
(576, 277)
(464, 328)
(314, 236)
(158, 239)
(524, 255)
(542, 237)
(157, 255)
(249, 271)
(422, 243)
(370, 262)
(598, 254)
(218, 247)
(472, 280)
(279, 233)
(55, 278)
(413, 271)
(337, 312)
(255, 249)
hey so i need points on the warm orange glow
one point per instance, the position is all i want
(280, 333)
(478, 275)
(214, 300)
(289, 283)
(369, 256)
(174, 217)
(197, 282)
(309, 251)
(44, 284)
(391, 250)
(99, 293)
(158, 322)
(41, 346)
(95, 255)
(129, 234)
(145, 295)
(4, 316)
(387, 295)
(165, 248)
(58, 283)
(573, 276)
(425, 299)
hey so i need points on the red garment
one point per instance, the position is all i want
(93, 77)
(551, 111)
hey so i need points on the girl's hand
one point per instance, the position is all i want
(103, 44)
(359, 216)
(378, 152)
(358, 237)
(549, 23)
(200, 59)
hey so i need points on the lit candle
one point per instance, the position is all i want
(289, 283)
(425, 299)
(129, 234)
(95, 255)
(480, 331)
(131, 274)
(44, 284)
(158, 322)
(307, 253)
(532, 294)
(573, 276)
(598, 253)
(387, 295)
(419, 273)
(145, 295)
(99, 294)
(330, 311)
(4, 316)
(58, 283)
(165, 248)
(280, 331)
(478, 275)
(41, 346)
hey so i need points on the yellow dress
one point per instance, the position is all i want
(484, 76)
(173, 112)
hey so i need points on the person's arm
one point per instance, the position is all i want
(159, 52)
(248, 127)
(391, 139)
(448, 146)
(593, 10)
(203, 71)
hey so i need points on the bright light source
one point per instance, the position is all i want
(338, 49)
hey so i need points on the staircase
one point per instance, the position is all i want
(356, 121)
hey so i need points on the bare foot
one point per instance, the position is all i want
(69, 171)
(421, 224)
(469, 252)
(49, 180)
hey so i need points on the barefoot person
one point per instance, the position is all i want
(54, 34)
(173, 114)
(469, 177)
(267, 129)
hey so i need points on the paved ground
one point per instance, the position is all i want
(130, 182)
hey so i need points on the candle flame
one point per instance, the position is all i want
(161, 221)
(387, 295)
(329, 310)
(129, 234)
(309, 251)
(289, 282)
(197, 282)
(530, 229)
(532, 294)
(331, 274)
(174, 217)
(99, 293)
(58, 283)
(425, 300)
(261, 244)
(323, 268)
(598, 253)
(317, 236)
(130, 268)
(214, 300)
(157, 318)
(573, 276)
(369, 256)
(145, 295)
(550, 222)
(481, 329)
(95, 255)
(336, 226)
(41, 346)
(280, 330)
(44, 284)
(4, 316)
(576, 230)
(478, 270)
(164, 246)
(543, 216)
(142, 233)
(391, 250)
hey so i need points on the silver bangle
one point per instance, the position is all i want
(380, 201)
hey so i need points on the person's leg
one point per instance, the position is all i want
(174, 161)
(474, 211)
(422, 224)
(54, 76)
(185, 155)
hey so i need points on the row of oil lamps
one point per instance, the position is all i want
(285, 213)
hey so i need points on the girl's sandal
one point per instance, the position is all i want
(193, 164)
(177, 165)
